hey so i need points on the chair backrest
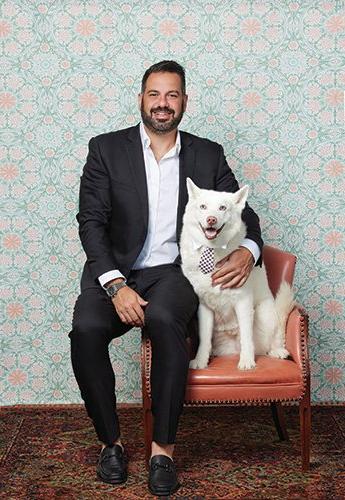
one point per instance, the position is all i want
(279, 266)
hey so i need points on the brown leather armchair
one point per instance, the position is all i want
(272, 382)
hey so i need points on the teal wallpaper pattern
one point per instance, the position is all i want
(265, 78)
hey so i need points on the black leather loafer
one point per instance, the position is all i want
(112, 465)
(162, 477)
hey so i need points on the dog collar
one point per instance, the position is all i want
(197, 246)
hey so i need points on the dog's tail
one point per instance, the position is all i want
(284, 302)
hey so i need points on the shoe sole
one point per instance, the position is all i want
(164, 493)
(119, 480)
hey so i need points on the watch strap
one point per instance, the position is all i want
(112, 290)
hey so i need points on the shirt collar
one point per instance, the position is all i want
(146, 141)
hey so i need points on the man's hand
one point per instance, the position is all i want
(234, 269)
(129, 306)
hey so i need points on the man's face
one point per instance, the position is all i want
(162, 103)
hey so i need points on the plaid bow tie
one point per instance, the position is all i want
(206, 263)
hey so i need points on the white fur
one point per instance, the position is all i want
(246, 320)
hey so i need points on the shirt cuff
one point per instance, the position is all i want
(252, 247)
(108, 276)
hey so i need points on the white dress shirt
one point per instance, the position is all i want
(162, 177)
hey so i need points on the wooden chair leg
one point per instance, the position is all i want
(279, 421)
(147, 434)
(305, 428)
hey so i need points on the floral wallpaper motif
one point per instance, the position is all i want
(265, 79)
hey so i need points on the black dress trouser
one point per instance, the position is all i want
(171, 305)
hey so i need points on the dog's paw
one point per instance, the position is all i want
(246, 364)
(280, 352)
(198, 363)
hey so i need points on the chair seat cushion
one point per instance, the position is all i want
(223, 370)
(271, 379)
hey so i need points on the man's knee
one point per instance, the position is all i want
(90, 337)
(93, 319)
(87, 327)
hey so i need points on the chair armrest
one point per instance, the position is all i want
(296, 337)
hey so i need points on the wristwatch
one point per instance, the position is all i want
(112, 290)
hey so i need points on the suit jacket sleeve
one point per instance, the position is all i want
(95, 212)
(226, 181)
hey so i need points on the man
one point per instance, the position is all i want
(132, 198)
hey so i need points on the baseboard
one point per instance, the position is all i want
(66, 406)
(61, 406)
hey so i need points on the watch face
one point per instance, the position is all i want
(111, 291)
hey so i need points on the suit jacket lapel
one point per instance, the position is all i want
(137, 166)
(187, 164)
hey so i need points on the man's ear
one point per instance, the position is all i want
(140, 98)
(185, 100)
(191, 188)
(240, 197)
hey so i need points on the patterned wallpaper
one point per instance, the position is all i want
(265, 78)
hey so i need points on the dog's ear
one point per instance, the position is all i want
(241, 196)
(191, 188)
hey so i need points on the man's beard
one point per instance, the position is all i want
(160, 127)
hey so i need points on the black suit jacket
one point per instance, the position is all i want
(113, 203)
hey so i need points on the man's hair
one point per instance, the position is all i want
(165, 66)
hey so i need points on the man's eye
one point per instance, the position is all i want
(203, 207)
(222, 207)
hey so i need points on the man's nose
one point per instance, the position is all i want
(211, 221)
(163, 102)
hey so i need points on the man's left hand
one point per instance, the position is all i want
(234, 269)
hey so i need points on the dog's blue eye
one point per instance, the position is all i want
(222, 207)
(203, 207)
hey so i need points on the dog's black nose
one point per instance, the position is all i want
(211, 221)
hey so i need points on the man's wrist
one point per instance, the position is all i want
(253, 247)
(115, 281)
(113, 289)
(249, 253)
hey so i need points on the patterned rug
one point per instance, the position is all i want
(230, 453)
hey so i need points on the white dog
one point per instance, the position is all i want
(245, 320)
